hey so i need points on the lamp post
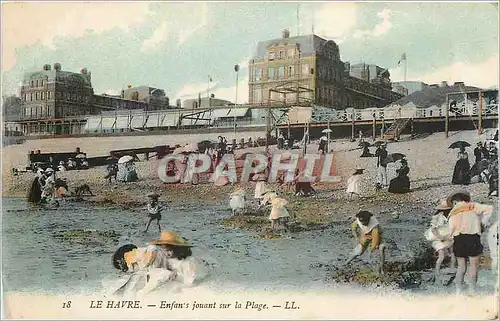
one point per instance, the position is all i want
(236, 69)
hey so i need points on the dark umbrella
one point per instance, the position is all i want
(363, 144)
(459, 144)
(379, 143)
(394, 157)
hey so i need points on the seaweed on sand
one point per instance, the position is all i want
(87, 237)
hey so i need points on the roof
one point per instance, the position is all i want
(430, 96)
(308, 45)
(228, 113)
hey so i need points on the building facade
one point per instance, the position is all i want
(409, 87)
(307, 70)
(54, 101)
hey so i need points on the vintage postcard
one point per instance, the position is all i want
(249, 160)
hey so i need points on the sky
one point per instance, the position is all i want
(176, 46)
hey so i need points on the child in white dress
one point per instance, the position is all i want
(439, 235)
(353, 183)
(279, 214)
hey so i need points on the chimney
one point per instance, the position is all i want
(444, 83)
(286, 33)
(458, 83)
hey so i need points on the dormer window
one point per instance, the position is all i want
(272, 56)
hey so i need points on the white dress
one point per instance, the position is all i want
(149, 276)
(260, 187)
(353, 184)
(439, 222)
(492, 236)
(237, 202)
(278, 210)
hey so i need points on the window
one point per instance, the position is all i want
(43, 95)
(430, 113)
(36, 96)
(291, 71)
(270, 73)
(272, 56)
(32, 84)
(257, 95)
(41, 83)
(291, 53)
(49, 95)
(25, 97)
(257, 74)
(281, 72)
(305, 69)
(282, 54)
(31, 96)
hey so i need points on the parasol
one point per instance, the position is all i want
(125, 159)
(326, 131)
(80, 156)
(459, 144)
(363, 144)
(394, 157)
(379, 143)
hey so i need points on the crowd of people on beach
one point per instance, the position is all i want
(454, 231)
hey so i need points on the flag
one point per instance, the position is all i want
(403, 58)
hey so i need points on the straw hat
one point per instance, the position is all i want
(49, 170)
(443, 205)
(171, 238)
(359, 171)
(238, 191)
(153, 195)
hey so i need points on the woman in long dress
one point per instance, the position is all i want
(461, 173)
(401, 183)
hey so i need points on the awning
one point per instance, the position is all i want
(229, 113)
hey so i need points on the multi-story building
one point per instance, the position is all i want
(54, 93)
(408, 87)
(307, 70)
(54, 101)
(154, 97)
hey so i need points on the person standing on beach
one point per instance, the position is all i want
(466, 222)
(381, 154)
(439, 234)
(461, 173)
(154, 211)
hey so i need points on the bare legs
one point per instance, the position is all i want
(474, 264)
(462, 269)
(459, 278)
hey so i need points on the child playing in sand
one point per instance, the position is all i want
(370, 234)
(438, 233)
(279, 214)
(353, 183)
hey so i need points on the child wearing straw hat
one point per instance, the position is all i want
(439, 234)
(353, 183)
(167, 259)
(237, 200)
(154, 210)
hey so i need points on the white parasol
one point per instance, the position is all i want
(80, 156)
(326, 131)
(125, 159)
